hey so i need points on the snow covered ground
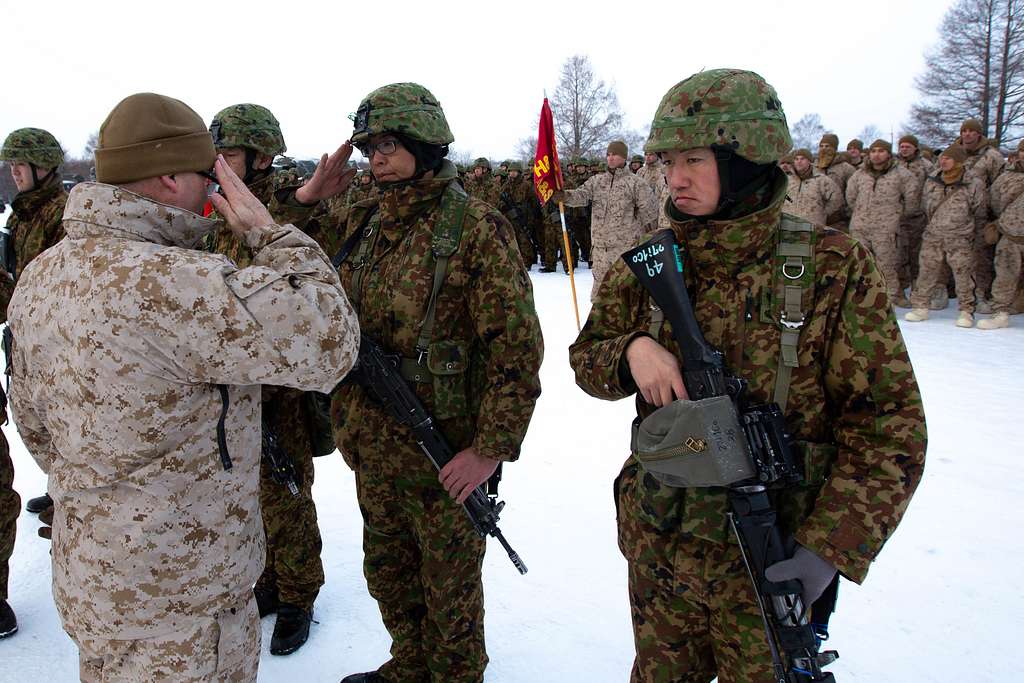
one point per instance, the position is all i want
(943, 603)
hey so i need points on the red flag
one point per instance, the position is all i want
(547, 173)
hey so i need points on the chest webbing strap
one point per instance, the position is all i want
(794, 265)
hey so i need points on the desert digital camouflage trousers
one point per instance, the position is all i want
(10, 506)
(881, 242)
(1009, 255)
(694, 612)
(422, 561)
(908, 242)
(936, 251)
(224, 647)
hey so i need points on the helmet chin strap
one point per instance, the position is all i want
(36, 182)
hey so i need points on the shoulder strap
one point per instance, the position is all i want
(794, 266)
(447, 236)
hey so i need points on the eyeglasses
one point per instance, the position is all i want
(385, 147)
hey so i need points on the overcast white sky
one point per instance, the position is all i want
(68, 63)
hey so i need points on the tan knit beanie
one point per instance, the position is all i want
(971, 124)
(881, 144)
(956, 152)
(831, 138)
(803, 152)
(855, 144)
(912, 139)
(618, 147)
(148, 135)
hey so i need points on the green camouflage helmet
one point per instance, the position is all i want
(726, 107)
(405, 108)
(482, 162)
(515, 166)
(33, 145)
(637, 159)
(248, 125)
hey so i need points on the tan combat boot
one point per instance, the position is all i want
(917, 315)
(965, 320)
(998, 321)
(900, 301)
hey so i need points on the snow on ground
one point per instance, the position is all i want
(942, 603)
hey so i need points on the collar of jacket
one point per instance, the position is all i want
(25, 204)
(402, 203)
(95, 209)
(879, 172)
(938, 177)
(617, 172)
(262, 188)
(731, 242)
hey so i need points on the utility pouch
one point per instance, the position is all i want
(693, 444)
(448, 362)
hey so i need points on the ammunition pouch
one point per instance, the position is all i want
(693, 444)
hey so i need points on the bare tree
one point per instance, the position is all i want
(807, 132)
(91, 144)
(976, 71)
(586, 110)
(870, 133)
(526, 149)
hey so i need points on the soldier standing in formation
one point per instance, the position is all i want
(835, 167)
(520, 206)
(855, 413)
(157, 539)
(34, 225)
(248, 137)
(812, 194)
(622, 208)
(855, 153)
(953, 201)
(636, 163)
(1007, 201)
(908, 241)
(471, 346)
(482, 184)
(878, 195)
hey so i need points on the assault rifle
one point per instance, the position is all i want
(793, 638)
(377, 372)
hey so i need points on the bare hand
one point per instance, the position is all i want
(655, 371)
(331, 177)
(238, 205)
(463, 473)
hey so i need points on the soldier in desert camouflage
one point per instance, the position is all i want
(157, 538)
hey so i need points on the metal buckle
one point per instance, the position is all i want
(792, 277)
(421, 355)
(791, 324)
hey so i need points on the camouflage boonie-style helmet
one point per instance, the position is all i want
(34, 146)
(726, 107)
(248, 125)
(482, 162)
(405, 108)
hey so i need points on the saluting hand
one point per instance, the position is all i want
(331, 177)
(238, 205)
(655, 371)
(463, 473)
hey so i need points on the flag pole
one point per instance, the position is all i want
(568, 264)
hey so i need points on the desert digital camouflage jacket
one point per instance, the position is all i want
(654, 174)
(484, 356)
(854, 408)
(921, 168)
(35, 225)
(984, 161)
(954, 210)
(115, 395)
(813, 199)
(877, 202)
(1007, 195)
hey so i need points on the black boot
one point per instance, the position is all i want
(266, 600)
(39, 503)
(291, 629)
(8, 622)
(368, 677)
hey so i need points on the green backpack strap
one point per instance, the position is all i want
(447, 236)
(794, 292)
